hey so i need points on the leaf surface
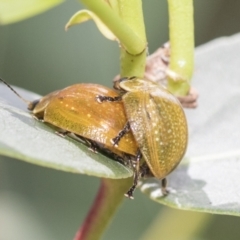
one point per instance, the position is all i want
(208, 178)
(12, 11)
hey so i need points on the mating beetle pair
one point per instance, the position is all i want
(155, 117)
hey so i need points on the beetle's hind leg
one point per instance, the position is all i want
(125, 130)
(146, 172)
(136, 175)
(164, 187)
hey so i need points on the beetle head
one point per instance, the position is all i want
(134, 84)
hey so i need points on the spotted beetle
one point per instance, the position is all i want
(157, 121)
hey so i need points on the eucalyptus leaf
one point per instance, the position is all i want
(14, 10)
(208, 178)
(86, 15)
(24, 138)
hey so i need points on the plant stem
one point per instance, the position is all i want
(187, 225)
(108, 199)
(114, 5)
(181, 31)
(127, 24)
(131, 13)
(126, 35)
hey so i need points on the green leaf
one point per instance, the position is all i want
(24, 138)
(12, 11)
(86, 15)
(208, 179)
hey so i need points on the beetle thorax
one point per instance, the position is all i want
(137, 84)
(153, 88)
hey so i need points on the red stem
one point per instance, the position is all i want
(109, 197)
(83, 232)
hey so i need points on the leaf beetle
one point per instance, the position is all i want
(157, 121)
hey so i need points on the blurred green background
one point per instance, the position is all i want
(37, 54)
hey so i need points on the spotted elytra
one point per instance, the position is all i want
(157, 121)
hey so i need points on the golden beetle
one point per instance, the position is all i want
(157, 121)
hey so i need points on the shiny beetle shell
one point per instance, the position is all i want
(75, 109)
(158, 123)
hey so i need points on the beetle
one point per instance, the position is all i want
(157, 121)
(75, 110)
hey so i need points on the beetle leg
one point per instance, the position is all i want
(145, 171)
(101, 98)
(136, 175)
(164, 187)
(125, 130)
(37, 118)
(92, 146)
(116, 157)
(62, 133)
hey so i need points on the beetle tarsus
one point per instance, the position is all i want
(93, 149)
(115, 141)
(99, 98)
(129, 193)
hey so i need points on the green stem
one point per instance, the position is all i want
(114, 5)
(186, 225)
(132, 65)
(126, 22)
(107, 201)
(131, 13)
(127, 36)
(181, 31)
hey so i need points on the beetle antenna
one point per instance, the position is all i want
(23, 99)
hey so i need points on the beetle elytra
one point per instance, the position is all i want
(157, 121)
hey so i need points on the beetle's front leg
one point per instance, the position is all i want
(101, 98)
